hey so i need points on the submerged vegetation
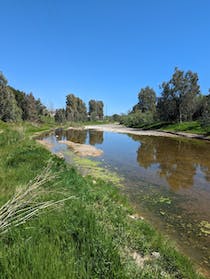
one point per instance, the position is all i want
(90, 233)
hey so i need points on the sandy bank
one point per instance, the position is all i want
(116, 128)
(83, 149)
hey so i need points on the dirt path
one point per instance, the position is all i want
(116, 128)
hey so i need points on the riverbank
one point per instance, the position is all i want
(117, 128)
(93, 234)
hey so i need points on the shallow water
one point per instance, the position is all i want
(167, 180)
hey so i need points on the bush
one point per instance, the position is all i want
(137, 119)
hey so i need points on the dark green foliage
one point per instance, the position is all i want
(60, 115)
(75, 108)
(137, 119)
(41, 109)
(9, 110)
(147, 100)
(116, 117)
(178, 97)
(200, 103)
(21, 99)
(31, 112)
(96, 110)
(205, 116)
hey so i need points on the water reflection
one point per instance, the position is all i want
(96, 137)
(178, 161)
(80, 136)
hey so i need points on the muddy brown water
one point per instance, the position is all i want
(166, 179)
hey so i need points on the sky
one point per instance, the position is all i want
(102, 49)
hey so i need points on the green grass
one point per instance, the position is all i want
(193, 127)
(89, 236)
(190, 127)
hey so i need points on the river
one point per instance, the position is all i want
(166, 179)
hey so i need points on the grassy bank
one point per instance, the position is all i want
(94, 234)
(193, 127)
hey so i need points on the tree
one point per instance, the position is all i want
(93, 109)
(60, 115)
(75, 108)
(147, 100)
(70, 107)
(205, 117)
(116, 117)
(9, 110)
(178, 97)
(81, 110)
(21, 97)
(41, 109)
(100, 110)
(166, 104)
(3, 81)
(31, 109)
(96, 110)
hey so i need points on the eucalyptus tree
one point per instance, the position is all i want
(96, 110)
(178, 97)
(147, 100)
(60, 115)
(75, 108)
(205, 117)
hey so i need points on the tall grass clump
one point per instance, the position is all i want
(26, 203)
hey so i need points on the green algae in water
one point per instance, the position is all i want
(164, 200)
(89, 167)
(162, 213)
(205, 227)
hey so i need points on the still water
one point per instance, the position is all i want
(166, 179)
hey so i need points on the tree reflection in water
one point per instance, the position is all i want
(76, 135)
(96, 137)
(80, 136)
(178, 160)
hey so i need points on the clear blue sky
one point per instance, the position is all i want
(102, 49)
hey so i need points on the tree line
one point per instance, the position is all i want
(76, 110)
(180, 100)
(16, 105)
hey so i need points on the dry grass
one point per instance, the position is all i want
(25, 204)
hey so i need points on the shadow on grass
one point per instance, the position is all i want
(156, 126)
